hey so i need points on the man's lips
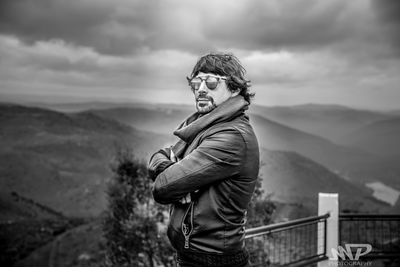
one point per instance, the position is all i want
(203, 101)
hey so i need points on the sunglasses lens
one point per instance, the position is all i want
(212, 82)
(195, 83)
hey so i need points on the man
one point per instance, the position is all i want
(209, 176)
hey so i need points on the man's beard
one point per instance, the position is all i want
(204, 104)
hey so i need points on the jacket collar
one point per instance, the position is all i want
(228, 110)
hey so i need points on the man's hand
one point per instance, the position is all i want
(186, 199)
(159, 162)
(172, 156)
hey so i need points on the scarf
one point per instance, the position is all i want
(197, 122)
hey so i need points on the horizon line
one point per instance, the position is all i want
(138, 102)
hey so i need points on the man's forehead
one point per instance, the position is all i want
(205, 74)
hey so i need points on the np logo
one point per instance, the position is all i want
(359, 249)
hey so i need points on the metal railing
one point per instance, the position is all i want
(295, 243)
(381, 231)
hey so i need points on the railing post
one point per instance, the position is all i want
(329, 203)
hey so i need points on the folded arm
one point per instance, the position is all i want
(218, 157)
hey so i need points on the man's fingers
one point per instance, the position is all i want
(172, 156)
(186, 199)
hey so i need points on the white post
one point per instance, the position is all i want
(329, 203)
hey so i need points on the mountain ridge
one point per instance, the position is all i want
(380, 137)
(62, 159)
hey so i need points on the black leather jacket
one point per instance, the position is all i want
(218, 164)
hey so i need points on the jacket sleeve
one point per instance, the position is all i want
(159, 161)
(218, 157)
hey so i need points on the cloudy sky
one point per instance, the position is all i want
(295, 51)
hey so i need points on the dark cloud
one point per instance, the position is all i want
(123, 27)
(388, 10)
(38, 20)
(104, 25)
(286, 24)
(388, 14)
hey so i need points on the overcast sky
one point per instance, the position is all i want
(295, 51)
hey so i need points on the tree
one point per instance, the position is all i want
(259, 213)
(260, 208)
(131, 226)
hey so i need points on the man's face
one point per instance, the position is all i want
(206, 98)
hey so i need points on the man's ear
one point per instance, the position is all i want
(235, 92)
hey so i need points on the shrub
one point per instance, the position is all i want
(132, 224)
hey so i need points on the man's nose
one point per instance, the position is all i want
(203, 88)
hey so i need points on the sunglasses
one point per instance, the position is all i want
(211, 82)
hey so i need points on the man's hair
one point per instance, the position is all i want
(225, 64)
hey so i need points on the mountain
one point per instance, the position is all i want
(328, 121)
(79, 247)
(271, 135)
(84, 106)
(63, 160)
(357, 165)
(276, 136)
(155, 119)
(380, 138)
(292, 178)
(57, 165)
(351, 162)
(14, 207)
(394, 112)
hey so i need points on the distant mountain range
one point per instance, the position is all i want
(273, 136)
(62, 159)
(292, 178)
(336, 123)
(351, 161)
(157, 120)
(329, 121)
(380, 137)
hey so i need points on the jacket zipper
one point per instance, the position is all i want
(188, 229)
